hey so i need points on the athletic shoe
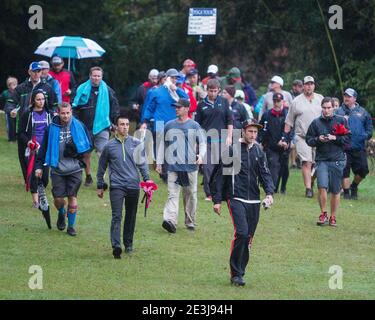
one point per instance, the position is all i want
(323, 219)
(309, 193)
(190, 227)
(332, 221)
(353, 192)
(237, 281)
(71, 231)
(117, 252)
(169, 226)
(88, 181)
(61, 222)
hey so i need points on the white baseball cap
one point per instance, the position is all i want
(278, 80)
(239, 94)
(153, 73)
(308, 79)
(212, 69)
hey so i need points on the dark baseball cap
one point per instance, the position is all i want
(277, 96)
(297, 82)
(192, 72)
(182, 103)
(251, 122)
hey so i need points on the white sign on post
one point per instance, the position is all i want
(202, 21)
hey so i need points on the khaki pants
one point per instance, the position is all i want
(189, 197)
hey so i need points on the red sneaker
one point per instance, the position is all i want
(323, 219)
(332, 221)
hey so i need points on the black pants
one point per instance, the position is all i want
(213, 154)
(22, 159)
(245, 218)
(284, 171)
(278, 165)
(117, 197)
(11, 127)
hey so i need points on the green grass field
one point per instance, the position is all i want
(290, 258)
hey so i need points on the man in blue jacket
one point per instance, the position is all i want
(159, 106)
(360, 125)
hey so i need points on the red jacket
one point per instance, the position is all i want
(193, 102)
(66, 81)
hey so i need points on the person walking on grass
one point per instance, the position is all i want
(276, 149)
(241, 191)
(328, 134)
(303, 110)
(215, 116)
(32, 126)
(181, 138)
(19, 103)
(123, 157)
(11, 83)
(360, 124)
(65, 141)
(96, 105)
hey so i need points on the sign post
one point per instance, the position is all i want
(202, 21)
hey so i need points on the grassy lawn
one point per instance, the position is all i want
(290, 257)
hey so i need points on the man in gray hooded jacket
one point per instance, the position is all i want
(124, 156)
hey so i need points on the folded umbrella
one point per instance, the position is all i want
(33, 147)
(148, 187)
(43, 203)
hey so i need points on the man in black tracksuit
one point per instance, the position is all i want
(275, 147)
(241, 191)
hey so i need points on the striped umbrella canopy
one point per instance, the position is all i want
(70, 47)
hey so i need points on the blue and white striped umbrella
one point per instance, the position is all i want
(70, 47)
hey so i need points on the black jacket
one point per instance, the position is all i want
(239, 114)
(86, 113)
(332, 150)
(22, 95)
(26, 126)
(273, 128)
(253, 171)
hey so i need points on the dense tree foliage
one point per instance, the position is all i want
(262, 37)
